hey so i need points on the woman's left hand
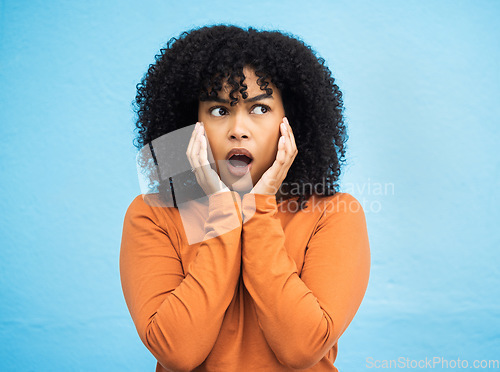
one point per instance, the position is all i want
(271, 180)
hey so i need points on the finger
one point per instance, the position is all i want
(292, 137)
(191, 140)
(209, 174)
(203, 149)
(203, 156)
(289, 156)
(277, 169)
(288, 143)
(195, 152)
(191, 147)
(281, 155)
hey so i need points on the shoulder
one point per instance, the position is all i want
(141, 204)
(150, 202)
(343, 220)
(340, 202)
(150, 208)
(342, 210)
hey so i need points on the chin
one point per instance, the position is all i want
(242, 184)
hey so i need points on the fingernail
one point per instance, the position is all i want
(283, 126)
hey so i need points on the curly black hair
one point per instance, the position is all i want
(192, 68)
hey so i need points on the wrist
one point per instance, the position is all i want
(262, 192)
(224, 189)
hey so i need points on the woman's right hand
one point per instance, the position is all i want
(197, 155)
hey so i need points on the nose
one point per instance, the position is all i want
(238, 128)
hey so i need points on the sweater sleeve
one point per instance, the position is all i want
(302, 317)
(178, 316)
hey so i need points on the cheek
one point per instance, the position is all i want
(216, 148)
(271, 147)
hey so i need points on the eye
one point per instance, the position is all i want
(216, 111)
(263, 108)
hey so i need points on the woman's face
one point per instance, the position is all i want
(252, 124)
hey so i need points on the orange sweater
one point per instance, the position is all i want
(264, 290)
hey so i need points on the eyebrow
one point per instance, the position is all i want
(253, 99)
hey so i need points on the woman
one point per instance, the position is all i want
(283, 261)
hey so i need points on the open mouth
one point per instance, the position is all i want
(239, 165)
(239, 160)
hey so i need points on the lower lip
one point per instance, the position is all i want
(239, 171)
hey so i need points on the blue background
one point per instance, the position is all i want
(421, 89)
